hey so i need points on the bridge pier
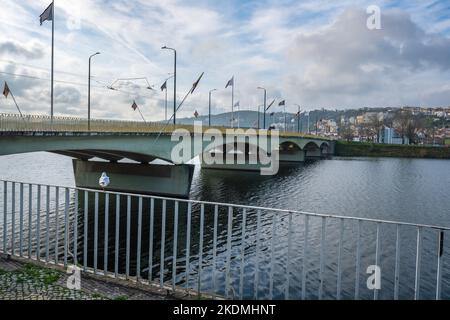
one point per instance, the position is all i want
(167, 180)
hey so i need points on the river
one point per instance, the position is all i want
(408, 190)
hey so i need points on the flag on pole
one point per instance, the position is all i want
(230, 83)
(47, 15)
(282, 103)
(6, 90)
(237, 104)
(164, 86)
(194, 86)
(134, 106)
(196, 114)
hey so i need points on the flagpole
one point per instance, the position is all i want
(141, 115)
(166, 102)
(17, 106)
(53, 51)
(232, 104)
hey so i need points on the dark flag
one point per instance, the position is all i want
(237, 104)
(6, 90)
(230, 83)
(47, 15)
(282, 103)
(272, 114)
(134, 106)
(164, 86)
(194, 86)
(196, 114)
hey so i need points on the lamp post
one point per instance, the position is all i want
(298, 117)
(174, 83)
(89, 91)
(259, 116)
(209, 106)
(265, 105)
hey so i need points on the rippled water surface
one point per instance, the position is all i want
(410, 190)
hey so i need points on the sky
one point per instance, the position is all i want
(312, 53)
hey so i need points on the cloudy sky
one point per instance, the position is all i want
(318, 54)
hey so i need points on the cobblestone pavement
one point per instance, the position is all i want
(24, 281)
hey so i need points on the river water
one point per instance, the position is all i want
(408, 190)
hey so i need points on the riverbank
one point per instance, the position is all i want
(364, 149)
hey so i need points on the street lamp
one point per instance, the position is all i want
(298, 117)
(265, 104)
(174, 83)
(89, 91)
(210, 105)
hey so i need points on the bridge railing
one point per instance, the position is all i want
(41, 123)
(10, 122)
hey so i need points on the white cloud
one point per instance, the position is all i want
(315, 53)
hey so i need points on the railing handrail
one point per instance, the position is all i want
(232, 205)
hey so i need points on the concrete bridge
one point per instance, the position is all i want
(112, 141)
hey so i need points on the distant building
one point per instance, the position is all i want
(390, 136)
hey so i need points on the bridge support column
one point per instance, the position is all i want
(167, 180)
(315, 154)
(297, 156)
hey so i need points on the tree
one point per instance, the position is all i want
(346, 132)
(376, 123)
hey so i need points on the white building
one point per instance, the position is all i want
(390, 136)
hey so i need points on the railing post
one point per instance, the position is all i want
(440, 252)
(258, 226)
(322, 257)
(5, 218)
(163, 242)
(150, 239)
(116, 237)
(241, 280)
(56, 225)
(340, 252)
(13, 217)
(75, 230)
(21, 220)
(377, 258)
(216, 214)
(66, 225)
(418, 264)
(188, 243)
(85, 242)
(397, 263)
(38, 224)
(358, 259)
(30, 218)
(305, 257)
(127, 250)
(228, 262)
(288, 262)
(139, 235)
(95, 231)
(47, 224)
(106, 235)
(175, 246)
(200, 254)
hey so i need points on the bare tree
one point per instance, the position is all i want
(376, 123)
(346, 132)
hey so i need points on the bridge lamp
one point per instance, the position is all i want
(265, 105)
(174, 83)
(211, 91)
(89, 91)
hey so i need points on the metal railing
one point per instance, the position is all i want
(42, 123)
(222, 250)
